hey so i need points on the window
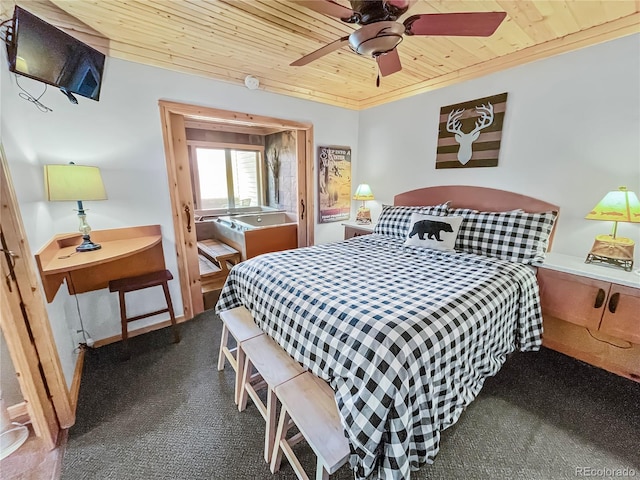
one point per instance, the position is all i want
(226, 179)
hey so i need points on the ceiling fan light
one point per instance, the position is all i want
(379, 45)
(376, 38)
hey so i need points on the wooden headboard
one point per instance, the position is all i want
(479, 198)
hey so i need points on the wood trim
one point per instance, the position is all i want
(310, 191)
(222, 145)
(195, 112)
(26, 327)
(77, 379)
(19, 413)
(301, 183)
(138, 331)
(177, 156)
(221, 127)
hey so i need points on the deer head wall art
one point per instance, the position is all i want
(470, 133)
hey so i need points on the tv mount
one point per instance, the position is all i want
(69, 95)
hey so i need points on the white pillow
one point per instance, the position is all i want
(434, 232)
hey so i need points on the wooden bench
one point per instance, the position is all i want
(239, 323)
(309, 403)
(274, 367)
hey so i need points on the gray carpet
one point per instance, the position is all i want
(167, 413)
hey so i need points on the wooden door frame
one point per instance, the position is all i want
(173, 116)
(25, 325)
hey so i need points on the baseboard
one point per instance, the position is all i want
(19, 413)
(139, 331)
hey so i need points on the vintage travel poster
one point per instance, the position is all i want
(334, 184)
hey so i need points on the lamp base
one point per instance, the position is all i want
(363, 216)
(617, 252)
(87, 245)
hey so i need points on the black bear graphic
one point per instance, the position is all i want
(431, 228)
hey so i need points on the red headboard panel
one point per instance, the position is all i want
(479, 198)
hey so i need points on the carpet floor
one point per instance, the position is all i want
(167, 413)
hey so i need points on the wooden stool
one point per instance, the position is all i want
(274, 367)
(131, 284)
(239, 322)
(310, 403)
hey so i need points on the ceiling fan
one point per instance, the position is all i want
(380, 32)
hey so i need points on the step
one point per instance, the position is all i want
(218, 252)
(207, 267)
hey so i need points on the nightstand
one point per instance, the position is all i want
(356, 229)
(592, 313)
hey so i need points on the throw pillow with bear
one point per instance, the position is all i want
(434, 232)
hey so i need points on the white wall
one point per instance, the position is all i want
(122, 135)
(571, 134)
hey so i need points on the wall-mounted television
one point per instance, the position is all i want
(38, 50)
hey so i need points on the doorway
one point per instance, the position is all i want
(176, 118)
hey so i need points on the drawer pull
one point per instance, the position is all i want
(613, 302)
(599, 298)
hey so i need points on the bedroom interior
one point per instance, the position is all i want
(569, 136)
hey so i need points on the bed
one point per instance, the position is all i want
(406, 335)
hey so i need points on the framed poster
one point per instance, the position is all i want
(334, 184)
(470, 133)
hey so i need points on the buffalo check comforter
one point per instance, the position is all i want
(406, 336)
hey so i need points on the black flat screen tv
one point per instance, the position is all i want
(38, 50)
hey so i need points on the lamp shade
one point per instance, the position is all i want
(363, 192)
(618, 206)
(73, 182)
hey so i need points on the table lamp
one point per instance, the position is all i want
(617, 206)
(75, 183)
(363, 192)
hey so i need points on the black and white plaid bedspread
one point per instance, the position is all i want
(406, 336)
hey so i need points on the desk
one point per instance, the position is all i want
(125, 252)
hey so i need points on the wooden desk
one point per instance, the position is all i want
(125, 252)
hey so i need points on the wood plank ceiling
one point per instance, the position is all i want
(230, 39)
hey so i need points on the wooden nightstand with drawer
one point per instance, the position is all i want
(356, 229)
(592, 313)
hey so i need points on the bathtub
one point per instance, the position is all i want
(252, 234)
(255, 220)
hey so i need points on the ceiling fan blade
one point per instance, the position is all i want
(327, 7)
(341, 42)
(389, 62)
(471, 24)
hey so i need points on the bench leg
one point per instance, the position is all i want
(223, 344)
(270, 429)
(243, 375)
(321, 472)
(281, 433)
(174, 325)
